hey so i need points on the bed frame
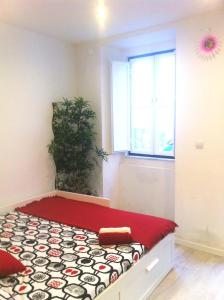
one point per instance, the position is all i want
(140, 281)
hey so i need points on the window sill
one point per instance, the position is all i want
(146, 157)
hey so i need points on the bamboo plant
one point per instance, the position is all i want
(74, 147)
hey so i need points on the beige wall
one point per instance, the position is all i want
(88, 86)
(147, 185)
(200, 118)
(193, 184)
(34, 71)
(139, 185)
(110, 168)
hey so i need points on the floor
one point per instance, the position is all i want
(196, 276)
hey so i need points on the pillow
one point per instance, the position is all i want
(9, 264)
(115, 236)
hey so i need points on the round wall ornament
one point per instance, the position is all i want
(209, 46)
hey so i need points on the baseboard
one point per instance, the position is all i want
(85, 198)
(73, 196)
(23, 202)
(199, 246)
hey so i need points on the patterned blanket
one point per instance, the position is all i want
(62, 262)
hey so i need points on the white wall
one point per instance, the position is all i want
(195, 179)
(111, 167)
(34, 71)
(150, 48)
(147, 185)
(133, 184)
(200, 117)
(88, 86)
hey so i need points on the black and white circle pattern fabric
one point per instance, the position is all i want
(62, 262)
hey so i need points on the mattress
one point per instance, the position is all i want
(62, 262)
(145, 229)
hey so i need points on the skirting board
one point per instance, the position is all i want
(73, 196)
(85, 198)
(23, 202)
(199, 246)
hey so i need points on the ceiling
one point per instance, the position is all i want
(77, 20)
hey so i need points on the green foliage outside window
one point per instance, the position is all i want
(74, 147)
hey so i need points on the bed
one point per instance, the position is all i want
(67, 262)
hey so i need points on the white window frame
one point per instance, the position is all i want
(121, 107)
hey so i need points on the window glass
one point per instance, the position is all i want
(141, 85)
(152, 96)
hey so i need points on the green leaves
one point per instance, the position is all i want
(101, 153)
(73, 147)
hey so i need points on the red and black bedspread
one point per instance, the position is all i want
(62, 262)
(57, 240)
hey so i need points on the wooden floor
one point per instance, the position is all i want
(196, 276)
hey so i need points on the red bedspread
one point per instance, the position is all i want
(147, 230)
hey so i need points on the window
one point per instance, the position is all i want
(144, 104)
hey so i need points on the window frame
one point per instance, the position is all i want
(146, 155)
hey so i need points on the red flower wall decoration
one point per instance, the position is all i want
(209, 47)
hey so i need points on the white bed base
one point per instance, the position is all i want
(140, 281)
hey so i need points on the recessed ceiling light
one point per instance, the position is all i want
(101, 13)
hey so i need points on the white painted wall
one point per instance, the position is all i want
(195, 180)
(88, 86)
(34, 71)
(110, 169)
(147, 186)
(122, 179)
(200, 117)
(150, 48)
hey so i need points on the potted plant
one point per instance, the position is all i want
(74, 147)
